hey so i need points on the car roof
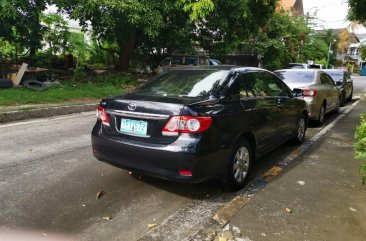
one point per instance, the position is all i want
(299, 70)
(219, 67)
(334, 70)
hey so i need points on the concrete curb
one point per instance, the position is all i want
(44, 112)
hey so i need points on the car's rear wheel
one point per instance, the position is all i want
(301, 130)
(321, 116)
(338, 106)
(240, 164)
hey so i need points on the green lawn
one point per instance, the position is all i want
(99, 87)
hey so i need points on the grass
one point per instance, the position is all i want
(96, 88)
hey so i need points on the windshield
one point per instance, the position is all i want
(185, 83)
(336, 75)
(293, 77)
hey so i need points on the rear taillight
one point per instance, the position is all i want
(186, 124)
(102, 115)
(310, 92)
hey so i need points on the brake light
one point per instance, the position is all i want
(186, 124)
(310, 92)
(185, 173)
(102, 115)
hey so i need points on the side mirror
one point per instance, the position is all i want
(297, 92)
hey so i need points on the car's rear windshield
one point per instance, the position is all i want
(290, 77)
(185, 83)
(336, 75)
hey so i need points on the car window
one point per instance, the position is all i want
(185, 83)
(252, 85)
(336, 75)
(329, 80)
(347, 75)
(296, 77)
(275, 86)
(323, 79)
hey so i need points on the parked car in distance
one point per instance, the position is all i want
(316, 66)
(194, 124)
(344, 82)
(215, 62)
(182, 60)
(319, 90)
(297, 66)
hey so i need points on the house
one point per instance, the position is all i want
(294, 5)
(349, 45)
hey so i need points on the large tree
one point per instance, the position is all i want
(357, 10)
(121, 21)
(20, 23)
(216, 25)
(232, 22)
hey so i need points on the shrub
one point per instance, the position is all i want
(360, 146)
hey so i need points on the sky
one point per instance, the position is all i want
(330, 13)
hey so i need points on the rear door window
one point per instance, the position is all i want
(252, 85)
(275, 86)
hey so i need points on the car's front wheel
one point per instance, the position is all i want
(240, 164)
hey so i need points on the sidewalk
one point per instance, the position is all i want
(321, 190)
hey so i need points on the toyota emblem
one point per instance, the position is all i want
(132, 106)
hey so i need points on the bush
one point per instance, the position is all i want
(360, 146)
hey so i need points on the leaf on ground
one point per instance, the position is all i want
(222, 239)
(107, 218)
(100, 194)
(288, 210)
(152, 225)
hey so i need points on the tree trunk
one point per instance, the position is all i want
(125, 54)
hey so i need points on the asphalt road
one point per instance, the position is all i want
(49, 181)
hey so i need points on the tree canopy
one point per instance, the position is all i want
(217, 25)
(357, 10)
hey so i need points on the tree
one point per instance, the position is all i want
(119, 21)
(288, 38)
(230, 23)
(363, 52)
(217, 25)
(56, 32)
(20, 23)
(357, 10)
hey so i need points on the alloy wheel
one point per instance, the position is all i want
(301, 129)
(241, 164)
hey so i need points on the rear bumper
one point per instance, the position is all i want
(313, 106)
(162, 161)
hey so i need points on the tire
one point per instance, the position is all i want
(240, 164)
(6, 83)
(338, 107)
(34, 85)
(321, 116)
(343, 99)
(351, 96)
(300, 130)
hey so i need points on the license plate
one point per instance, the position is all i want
(134, 127)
